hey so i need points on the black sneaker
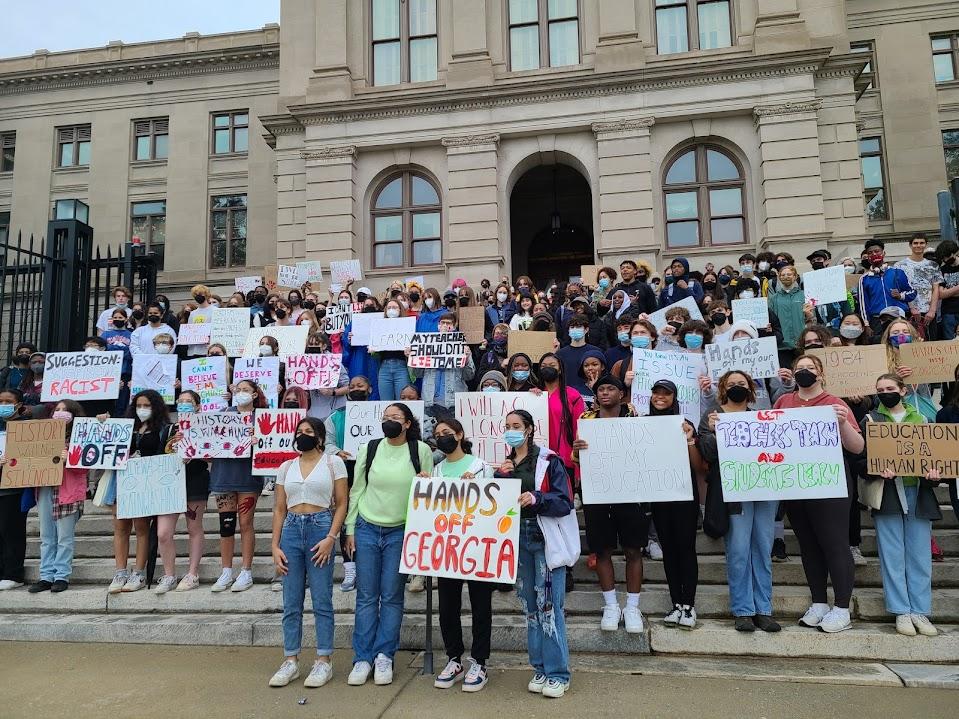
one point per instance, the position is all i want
(42, 586)
(779, 551)
(745, 624)
(61, 585)
(766, 623)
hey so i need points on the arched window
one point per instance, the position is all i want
(705, 200)
(406, 222)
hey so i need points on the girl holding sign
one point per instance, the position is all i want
(13, 521)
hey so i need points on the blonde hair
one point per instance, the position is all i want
(197, 289)
(892, 353)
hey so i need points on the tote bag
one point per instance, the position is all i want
(560, 534)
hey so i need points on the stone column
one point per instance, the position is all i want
(619, 47)
(331, 77)
(779, 27)
(331, 206)
(470, 64)
(290, 204)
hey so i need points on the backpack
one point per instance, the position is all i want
(375, 443)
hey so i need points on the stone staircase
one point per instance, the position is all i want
(87, 613)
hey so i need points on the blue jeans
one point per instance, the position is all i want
(392, 377)
(749, 567)
(905, 559)
(379, 591)
(300, 533)
(949, 325)
(56, 539)
(542, 594)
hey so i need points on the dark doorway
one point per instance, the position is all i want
(551, 224)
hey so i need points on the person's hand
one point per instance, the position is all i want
(808, 310)
(688, 431)
(555, 344)
(407, 351)
(903, 372)
(327, 392)
(842, 413)
(931, 315)
(605, 303)
(643, 316)
(705, 384)
(176, 384)
(527, 499)
(322, 551)
(536, 391)
(713, 419)
(629, 378)
(103, 417)
(580, 445)
(279, 560)
(483, 346)
(682, 284)
(506, 467)
(895, 294)
(468, 475)
(707, 299)
(887, 474)
(933, 475)
(344, 455)
(668, 330)
(785, 375)
(423, 474)
(350, 547)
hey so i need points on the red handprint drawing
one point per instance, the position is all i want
(265, 423)
(73, 456)
(247, 505)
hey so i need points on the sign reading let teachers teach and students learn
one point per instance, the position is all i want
(81, 376)
(912, 450)
(34, 454)
(462, 529)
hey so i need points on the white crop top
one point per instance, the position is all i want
(317, 488)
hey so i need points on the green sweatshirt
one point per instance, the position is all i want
(382, 497)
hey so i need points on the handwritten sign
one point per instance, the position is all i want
(33, 452)
(364, 421)
(391, 334)
(337, 317)
(531, 343)
(930, 361)
(311, 271)
(229, 328)
(635, 459)
(755, 310)
(658, 318)
(361, 326)
(438, 350)
(343, 271)
(273, 439)
(292, 339)
(683, 368)
(265, 371)
(81, 376)
(207, 377)
(99, 445)
(462, 529)
(213, 435)
(780, 454)
(271, 279)
(194, 334)
(288, 276)
(759, 357)
(247, 284)
(851, 371)
(156, 372)
(588, 274)
(3, 443)
(151, 486)
(912, 450)
(313, 371)
(824, 286)
(483, 415)
(472, 323)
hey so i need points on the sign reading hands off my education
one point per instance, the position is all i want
(777, 454)
(930, 361)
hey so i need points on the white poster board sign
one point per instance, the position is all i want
(207, 377)
(364, 422)
(291, 338)
(213, 435)
(247, 284)
(155, 372)
(759, 357)
(682, 368)
(361, 328)
(313, 371)
(342, 271)
(265, 371)
(483, 415)
(229, 328)
(755, 310)
(824, 286)
(311, 271)
(391, 334)
(81, 376)
(194, 334)
(99, 445)
(151, 486)
(288, 276)
(658, 318)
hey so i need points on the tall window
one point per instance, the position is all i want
(406, 222)
(543, 33)
(404, 41)
(950, 145)
(683, 25)
(73, 146)
(869, 73)
(228, 231)
(873, 179)
(4, 226)
(148, 222)
(151, 139)
(231, 132)
(8, 150)
(704, 198)
(945, 57)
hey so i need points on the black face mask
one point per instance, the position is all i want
(549, 374)
(447, 444)
(866, 264)
(119, 324)
(309, 305)
(641, 277)
(356, 395)
(414, 296)
(370, 308)
(291, 405)
(280, 314)
(392, 429)
(737, 394)
(890, 399)
(137, 314)
(717, 318)
(394, 294)
(259, 299)
(153, 318)
(305, 442)
(25, 359)
(813, 346)
(450, 302)
(200, 299)
(295, 302)
(314, 350)
(709, 286)
(464, 301)
(818, 264)
(805, 378)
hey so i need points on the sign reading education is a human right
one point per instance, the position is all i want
(912, 450)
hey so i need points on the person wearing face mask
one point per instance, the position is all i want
(669, 333)
(441, 385)
(603, 283)
(141, 340)
(13, 520)
(31, 386)
(746, 271)
(621, 348)
(565, 405)
(163, 344)
(924, 277)
(492, 381)
(519, 374)
(621, 310)
(121, 301)
(946, 256)
(829, 314)
(712, 290)
(357, 359)
(720, 319)
(203, 314)
(882, 286)
(323, 402)
(118, 338)
(431, 311)
(501, 310)
(393, 373)
(766, 272)
(572, 354)
(565, 312)
(257, 299)
(12, 376)
(642, 335)
(494, 355)
(898, 333)
(681, 286)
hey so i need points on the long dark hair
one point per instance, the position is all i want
(413, 433)
(160, 417)
(567, 425)
(319, 430)
(531, 381)
(527, 420)
(457, 427)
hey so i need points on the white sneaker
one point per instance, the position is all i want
(359, 674)
(452, 673)
(672, 619)
(857, 558)
(7, 584)
(119, 580)
(165, 585)
(417, 584)
(836, 620)
(288, 671)
(382, 670)
(244, 580)
(276, 584)
(611, 616)
(905, 626)
(555, 689)
(320, 674)
(349, 577)
(224, 582)
(476, 678)
(814, 615)
(189, 581)
(537, 683)
(688, 620)
(924, 626)
(135, 583)
(655, 551)
(633, 619)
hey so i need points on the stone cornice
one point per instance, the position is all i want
(786, 108)
(489, 138)
(329, 152)
(281, 125)
(624, 125)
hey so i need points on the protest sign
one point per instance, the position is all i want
(780, 454)
(81, 376)
(851, 371)
(417, 280)
(291, 338)
(271, 279)
(472, 323)
(683, 368)
(247, 284)
(151, 486)
(265, 371)
(462, 529)
(341, 272)
(99, 445)
(364, 422)
(587, 274)
(3, 443)
(391, 334)
(229, 328)
(438, 350)
(754, 310)
(337, 318)
(273, 439)
(635, 459)
(912, 450)
(852, 281)
(759, 357)
(531, 343)
(313, 371)
(930, 361)
(194, 334)
(824, 286)
(311, 272)
(212, 435)
(658, 318)
(207, 377)
(155, 372)
(483, 415)
(361, 326)
(288, 276)
(34, 454)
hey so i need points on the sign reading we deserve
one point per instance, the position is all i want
(780, 454)
(364, 422)
(265, 371)
(930, 361)
(313, 371)
(635, 459)
(34, 453)
(99, 445)
(483, 416)
(438, 350)
(462, 529)
(391, 334)
(912, 450)
(81, 376)
(212, 435)
(683, 368)
(207, 377)
(151, 486)
(273, 438)
(759, 357)
(157, 372)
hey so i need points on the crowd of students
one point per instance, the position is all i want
(327, 499)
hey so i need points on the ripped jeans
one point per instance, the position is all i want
(542, 594)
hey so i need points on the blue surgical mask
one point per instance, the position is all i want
(640, 342)
(491, 388)
(693, 342)
(746, 269)
(185, 407)
(514, 438)
(7, 410)
(520, 375)
(577, 333)
(623, 337)
(603, 283)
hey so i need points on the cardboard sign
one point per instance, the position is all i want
(311, 271)
(364, 422)
(273, 439)
(229, 328)
(824, 286)
(587, 274)
(472, 323)
(99, 445)
(462, 529)
(438, 350)
(265, 371)
(683, 368)
(361, 325)
(247, 284)
(194, 334)
(207, 377)
(155, 372)
(912, 450)
(851, 371)
(759, 357)
(213, 435)
(780, 454)
(291, 338)
(531, 343)
(271, 280)
(288, 276)
(658, 318)
(313, 371)
(81, 376)
(635, 459)
(754, 310)
(391, 334)
(34, 453)
(852, 281)
(930, 361)
(483, 415)
(343, 271)
(151, 486)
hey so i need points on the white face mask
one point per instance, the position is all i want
(241, 399)
(266, 351)
(747, 294)
(163, 349)
(429, 302)
(501, 296)
(763, 266)
(91, 349)
(392, 313)
(144, 413)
